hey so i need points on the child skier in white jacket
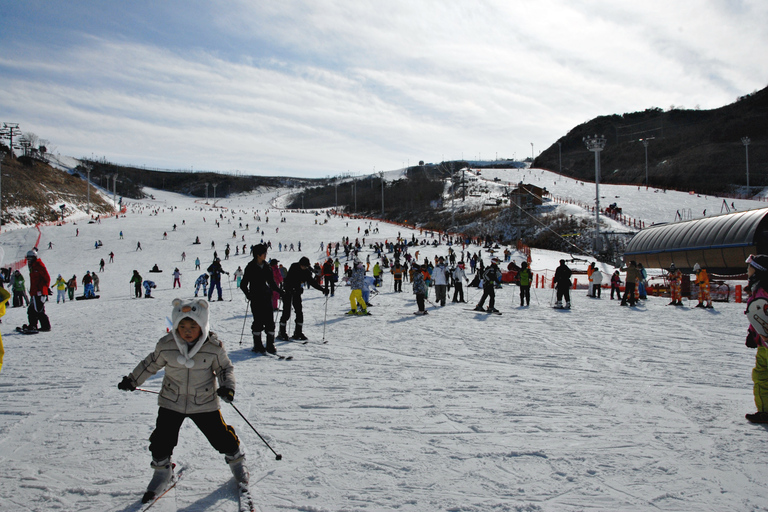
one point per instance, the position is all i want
(193, 359)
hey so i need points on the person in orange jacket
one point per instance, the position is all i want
(702, 279)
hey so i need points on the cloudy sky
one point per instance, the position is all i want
(317, 88)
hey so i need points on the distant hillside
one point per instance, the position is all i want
(697, 150)
(33, 192)
(130, 180)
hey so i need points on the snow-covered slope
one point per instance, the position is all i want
(596, 408)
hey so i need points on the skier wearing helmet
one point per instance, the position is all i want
(39, 283)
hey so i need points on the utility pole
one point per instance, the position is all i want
(645, 145)
(596, 144)
(746, 141)
(88, 170)
(8, 131)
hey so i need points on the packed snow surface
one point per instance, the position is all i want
(599, 407)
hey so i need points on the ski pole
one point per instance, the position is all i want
(535, 295)
(277, 455)
(247, 303)
(325, 318)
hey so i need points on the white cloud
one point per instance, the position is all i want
(322, 87)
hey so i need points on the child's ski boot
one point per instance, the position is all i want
(160, 480)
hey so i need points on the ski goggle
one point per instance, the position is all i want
(751, 261)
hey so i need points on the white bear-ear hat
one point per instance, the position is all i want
(194, 309)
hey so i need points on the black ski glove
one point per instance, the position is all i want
(226, 394)
(751, 339)
(126, 384)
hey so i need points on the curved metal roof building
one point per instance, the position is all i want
(719, 244)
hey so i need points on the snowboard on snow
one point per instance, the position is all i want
(83, 297)
(485, 311)
(26, 330)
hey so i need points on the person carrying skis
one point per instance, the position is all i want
(176, 278)
(525, 277)
(198, 372)
(356, 282)
(491, 276)
(757, 272)
(702, 279)
(458, 286)
(258, 284)
(419, 288)
(293, 286)
(215, 270)
(202, 280)
(563, 285)
(39, 283)
(61, 289)
(136, 280)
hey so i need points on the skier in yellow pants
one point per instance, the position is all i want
(4, 298)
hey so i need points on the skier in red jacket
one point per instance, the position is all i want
(39, 289)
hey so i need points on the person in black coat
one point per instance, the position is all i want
(491, 276)
(563, 285)
(298, 274)
(258, 284)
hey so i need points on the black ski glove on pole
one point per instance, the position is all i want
(126, 384)
(226, 394)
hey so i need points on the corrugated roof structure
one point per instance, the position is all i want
(719, 244)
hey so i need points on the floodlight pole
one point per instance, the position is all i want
(596, 144)
(645, 145)
(88, 170)
(560, 156)
(206, 193)
(381, 174)
(746, 141)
